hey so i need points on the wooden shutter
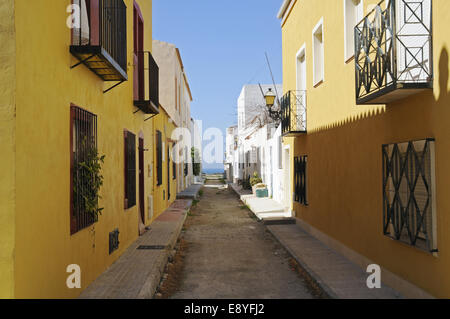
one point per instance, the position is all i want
(130, 169)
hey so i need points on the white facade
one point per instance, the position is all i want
(255, 145)
(231, 143)
(175, 97)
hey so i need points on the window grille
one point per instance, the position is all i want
(300, 164)
(83, 141)
(408, 193)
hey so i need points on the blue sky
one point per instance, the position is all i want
(222, 44)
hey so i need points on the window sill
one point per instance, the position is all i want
(350, 59)
(318, 84)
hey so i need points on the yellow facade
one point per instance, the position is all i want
(7, 137)
(161, 197)
(37, 89)
(343, 144)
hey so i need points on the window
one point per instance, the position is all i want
(318, 54)
(159, 157)
(130, 169)
(300, 164)
(138, 46)
(83, 139)
(186, 169)
(353, 13)
(409, 198)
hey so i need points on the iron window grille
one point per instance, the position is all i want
(159, 162)
(130, 169)
(293, 113)
(300, 165)
(394, 51)
(147, 83)
(83, 140)
(100, 42)
(409, 204)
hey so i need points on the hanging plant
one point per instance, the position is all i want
(88, 180)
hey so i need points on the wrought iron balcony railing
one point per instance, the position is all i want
(393, 51)
(293, 113)
(146, 88)
(100, 42)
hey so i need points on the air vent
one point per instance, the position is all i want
(113, 241)
(151, 247)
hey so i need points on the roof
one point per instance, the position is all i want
(283, 8)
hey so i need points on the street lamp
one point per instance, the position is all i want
(270, 98)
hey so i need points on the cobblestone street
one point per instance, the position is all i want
(228, 254)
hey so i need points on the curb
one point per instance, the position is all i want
(315, 278)
(152, 283)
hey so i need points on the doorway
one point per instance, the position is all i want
(287, 179)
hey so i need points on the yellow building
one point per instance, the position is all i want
(368, 134)
(70, 84)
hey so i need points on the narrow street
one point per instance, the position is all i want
(226, 253)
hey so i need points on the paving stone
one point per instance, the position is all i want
(137, 273)
(336, 275)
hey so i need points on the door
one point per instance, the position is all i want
(168, 172)
(287, 179)
(141, 185)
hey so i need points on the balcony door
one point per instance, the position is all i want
(138, 55)
(300, 110)
(141, 187)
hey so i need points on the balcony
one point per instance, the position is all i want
(146, 79)
(100, 42)
(293, 113)
(393, 51)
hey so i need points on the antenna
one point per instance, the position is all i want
(273, 80)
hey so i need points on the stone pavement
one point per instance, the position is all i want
(137, 273)
(191, 192)
(229, 254)
(336, 275)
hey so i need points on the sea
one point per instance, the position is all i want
(213, 171)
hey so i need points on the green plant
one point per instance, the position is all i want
(246, 183)
(200, 192)
(88, 174)
(255, 179)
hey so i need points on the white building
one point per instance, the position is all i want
(231, 143)
(255, 145)
(175, 95)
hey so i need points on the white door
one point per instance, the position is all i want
(287, 179)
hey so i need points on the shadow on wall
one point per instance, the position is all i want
(443, 75)
(426, 98)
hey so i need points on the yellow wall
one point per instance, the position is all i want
(160, 198)
(46, 86)
(7, 140)
(344, 142)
